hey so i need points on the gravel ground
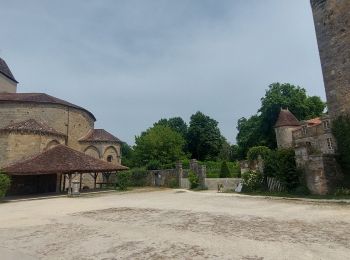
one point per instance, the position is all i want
(173, 224)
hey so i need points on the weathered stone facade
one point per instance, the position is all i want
(332, 24)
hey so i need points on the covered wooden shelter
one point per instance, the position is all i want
(60, 162)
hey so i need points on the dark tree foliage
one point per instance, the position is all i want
(204, 137)
(175, 123)
(258, 130)
(159, 143)
(5, 183)
(341, 132)
(224, 170)
(281, 165)
(127, 154)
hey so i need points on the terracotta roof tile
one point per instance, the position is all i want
(31, 126)
(5, 70)
(314, 121)
(61, 159)
(286, 118)
(38, 98)
(99, 135)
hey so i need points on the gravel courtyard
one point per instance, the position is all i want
(173, 224)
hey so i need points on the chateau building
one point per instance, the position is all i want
(40, 135)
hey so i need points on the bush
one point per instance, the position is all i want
(123, 180)
(153, 165)
(252, 181)
(224, 171)
(173, 183)
(281, 165)
(254, 152)
(341, 132)
(193, 179)
(5, 183)
(138, 177)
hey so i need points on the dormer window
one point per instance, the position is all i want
(304, 130)
(326, 124)
(330, 143)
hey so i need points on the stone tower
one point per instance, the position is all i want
(284, 127)
(332, 24)
(8, 83)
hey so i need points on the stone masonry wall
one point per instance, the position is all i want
(332, 24)
(21, 146)
(57, 116)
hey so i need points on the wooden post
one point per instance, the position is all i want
(70, 184)
(64, 182)
(95, 178)
(81, 180)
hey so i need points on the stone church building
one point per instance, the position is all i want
(46, 142)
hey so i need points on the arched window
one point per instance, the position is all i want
(109, 158)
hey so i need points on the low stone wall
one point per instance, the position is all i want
(228, 183)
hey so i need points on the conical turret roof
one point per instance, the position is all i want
(5, 70)
(286, 118)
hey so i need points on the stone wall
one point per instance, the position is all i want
(229, 184)
(102, 150)
(17, 146)
(332, 24)
(322, 172)
(73, 122)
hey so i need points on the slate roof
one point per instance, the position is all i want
(31, 126)
(286, 118)
(61, 159)
(99, 135)
(38, 98)
(5, 70)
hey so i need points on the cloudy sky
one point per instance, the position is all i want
(132, 62)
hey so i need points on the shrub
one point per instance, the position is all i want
(224, 171)
(281, 165)
(138, 177)
(341, 132)
(153, 165)
(123, 180)
(173, 183)
(193, 179)
(254, 152)
(5, 183)
(252, 181)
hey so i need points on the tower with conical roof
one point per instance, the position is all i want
(284, 127)
(8, 83)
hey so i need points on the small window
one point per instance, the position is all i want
(308, 144)
(304, 130)
(326, 124)
(109, 158)
(330, 143)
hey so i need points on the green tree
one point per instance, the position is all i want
(341, 132)
(224, 170)
(204, 137)
(259, 129)
(175, 123)
(225, 153)
(5, 183)
(127, 155)
(159, 143)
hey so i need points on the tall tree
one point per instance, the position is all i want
(159, 143)
(204, 137)
(259, 129)
(175, 123)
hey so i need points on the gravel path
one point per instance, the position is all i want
(172, 224)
